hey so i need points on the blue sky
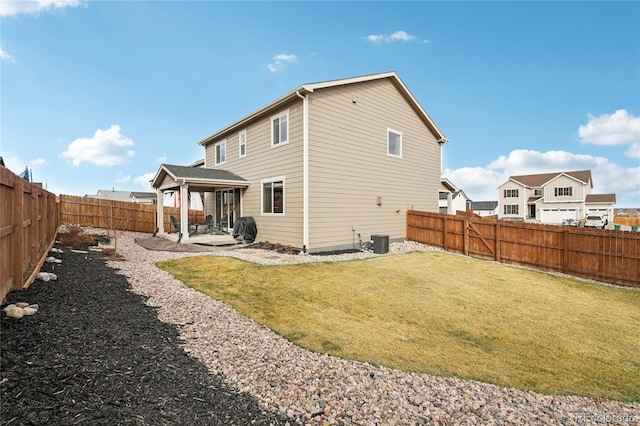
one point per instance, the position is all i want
(97, 94)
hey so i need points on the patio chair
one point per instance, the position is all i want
(224, 223)
(208, 222)
(175, 225)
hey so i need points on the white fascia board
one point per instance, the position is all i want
(159, 173)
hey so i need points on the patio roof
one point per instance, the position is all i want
(197, 178)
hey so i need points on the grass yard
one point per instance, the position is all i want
(442, 314)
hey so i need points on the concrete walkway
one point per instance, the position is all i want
(162, 244)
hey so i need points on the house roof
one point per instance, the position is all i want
(448, 185)
(600, 198)
(135, 194)
(112, 194)
(484, 205)
(311, 87)
(195, 176)
(537, 180)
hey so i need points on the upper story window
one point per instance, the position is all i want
(273, 196)
(563, 191)
(221, 152)
(511, 193)
(280, 129)
(242, 143)
(394, 143)
(537, 192)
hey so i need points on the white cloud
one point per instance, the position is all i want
(39, 162)
(105, 148)
(122, 178)
(144, 180)
(5, 56)
(280, 62)
(16, 7)
(400, 35)
(161, 159)
(481, 183)
(619, 128)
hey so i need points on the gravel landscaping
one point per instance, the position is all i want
(122, 342)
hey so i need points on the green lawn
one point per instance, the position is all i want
(442, 314)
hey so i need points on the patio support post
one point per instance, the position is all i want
(160, 211)
(184, 211)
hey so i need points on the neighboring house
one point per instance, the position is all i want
(552, 197)
(451, 199)
(485, 208)
(128, 196)
(112, 194)
(144, 197)
(320, 163)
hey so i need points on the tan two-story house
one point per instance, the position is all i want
(321, 163)
(552, 198)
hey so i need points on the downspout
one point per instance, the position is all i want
(305, 170)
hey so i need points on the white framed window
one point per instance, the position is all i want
(242, 143)
(280, 129)
(221, 152)
(511, 193)
(511, 209)
(394, 143)
(565, 191)
(273, 196)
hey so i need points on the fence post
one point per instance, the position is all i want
(18, 240)
(465, 242)
(444, 232)
(565, 251)
(498, 244)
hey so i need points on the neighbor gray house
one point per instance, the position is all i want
(485, 208)
(320, 163)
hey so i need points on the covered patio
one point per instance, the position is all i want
(223, 198)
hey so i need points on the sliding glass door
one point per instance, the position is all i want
(227, 206)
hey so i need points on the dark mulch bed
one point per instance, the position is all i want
(95, 354)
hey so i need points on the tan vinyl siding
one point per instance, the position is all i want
(263, 161)
(168, 180)
(349, 167)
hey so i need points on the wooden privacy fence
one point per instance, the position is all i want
(28, 227)
(605, 255)
(627, 221)
(118, 215)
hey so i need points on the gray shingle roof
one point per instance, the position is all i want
(484, 205)
(188, 172)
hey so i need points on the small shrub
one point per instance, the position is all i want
(73, 236)
(277, 247)
(288, 249)
(266, 244)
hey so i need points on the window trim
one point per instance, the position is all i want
(389, 131)
(272, 180)
(215, 152)
(563, 191)
(511, 207)
(279, 117)
(511, 193)
(242, 143)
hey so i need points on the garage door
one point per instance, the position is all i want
(556, 216)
